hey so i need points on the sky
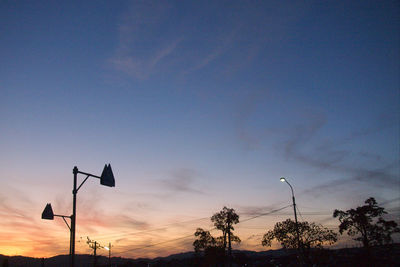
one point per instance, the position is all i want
(196, 105)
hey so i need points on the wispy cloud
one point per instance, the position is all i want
(181, 181)
(142, 68)
(246, 108)
(301, 134)
(333, 156)
(141, 46)
(305, 142)
(156, 37)
(220, 47)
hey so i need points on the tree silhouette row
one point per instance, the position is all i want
(365, 224)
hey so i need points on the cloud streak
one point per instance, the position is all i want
(156, 36)
(142, 68)
(328, 156)
(305, 143)
(182, 181)
(142, 47)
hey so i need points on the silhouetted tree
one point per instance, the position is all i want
(367, 224)
(224, 221)
(204, 240)
(213, 251)
(220, 240)
(311, 235)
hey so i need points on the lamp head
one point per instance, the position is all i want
(47, 213)
(107, 248)
(107, 176)
(282, 179)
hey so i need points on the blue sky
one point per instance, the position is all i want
(196, 105)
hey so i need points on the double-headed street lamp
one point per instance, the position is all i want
(283, 179)
(106, 178)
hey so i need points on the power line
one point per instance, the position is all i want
(264, 214)
(300, 213)
(115, 235)
(164, 227)
(212, 229)
(160, 243)
(321, 213)
(191, 235)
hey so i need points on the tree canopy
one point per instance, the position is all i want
(224, 221)
(311, 235)
(367, 224)
(204, 240)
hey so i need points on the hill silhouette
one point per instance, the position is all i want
(387, 255)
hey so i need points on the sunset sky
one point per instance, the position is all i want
(197, 105)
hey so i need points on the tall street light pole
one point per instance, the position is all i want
(106, 178)
(283, 179)
(73, 217)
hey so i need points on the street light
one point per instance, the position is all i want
(283, 179)
(48, 214)
(106, 178)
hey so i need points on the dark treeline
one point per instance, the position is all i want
(364, 224)
(386, 255)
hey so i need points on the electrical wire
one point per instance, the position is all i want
(302, 219)
(116, 235)
(190, 236)
(264, 214)
(160, 243)
(212, 229)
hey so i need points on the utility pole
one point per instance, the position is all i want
(109, 254)
(94, 254)
(93, 245)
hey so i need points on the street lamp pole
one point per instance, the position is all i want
(283, 179)
(73, 218)
(106, 178)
